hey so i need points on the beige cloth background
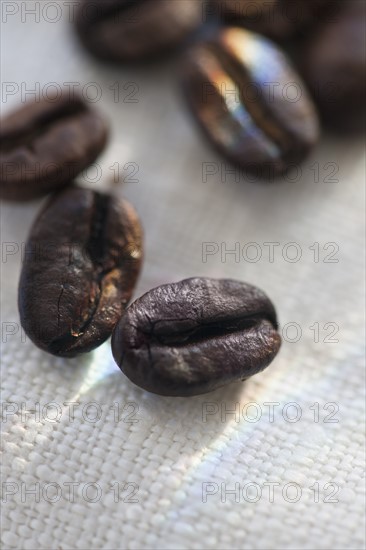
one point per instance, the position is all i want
(169, 453)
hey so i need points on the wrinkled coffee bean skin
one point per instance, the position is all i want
(82, 260)
(256, 126)
(45, 144)
(194, 336)
(334, 67)
(278, 19)
(125, 30)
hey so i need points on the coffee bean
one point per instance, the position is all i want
(278, 19)
(250, 101)
(125, 30)
(334, 67)
(45, 144)
(194, 336)
(82, 260)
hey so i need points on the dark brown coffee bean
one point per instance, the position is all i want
(81, 263)
(334, 66)
(194, 336)
(125, 30)
(278, 19)
(250, 101)
(45, 144)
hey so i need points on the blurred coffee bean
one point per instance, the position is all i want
(126, 30)
(82, 260)
(194, 336)
(334, 67)
(250, 101)
(278, 19)
(45, 144)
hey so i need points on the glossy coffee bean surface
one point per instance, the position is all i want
(82, 260)
(194, 336)
(250, 101)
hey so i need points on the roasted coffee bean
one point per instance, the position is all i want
(45, 144)
(278, 19)
(334, 67)
(81, 263)
(194, 336)
(125, 30)
(250, 101)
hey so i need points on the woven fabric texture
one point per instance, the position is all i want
(90, 460)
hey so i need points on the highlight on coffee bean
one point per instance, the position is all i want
(226, 79)
(83, 257)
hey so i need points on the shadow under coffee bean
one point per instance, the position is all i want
(82, 260)
(45, 144)
(194, 336)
